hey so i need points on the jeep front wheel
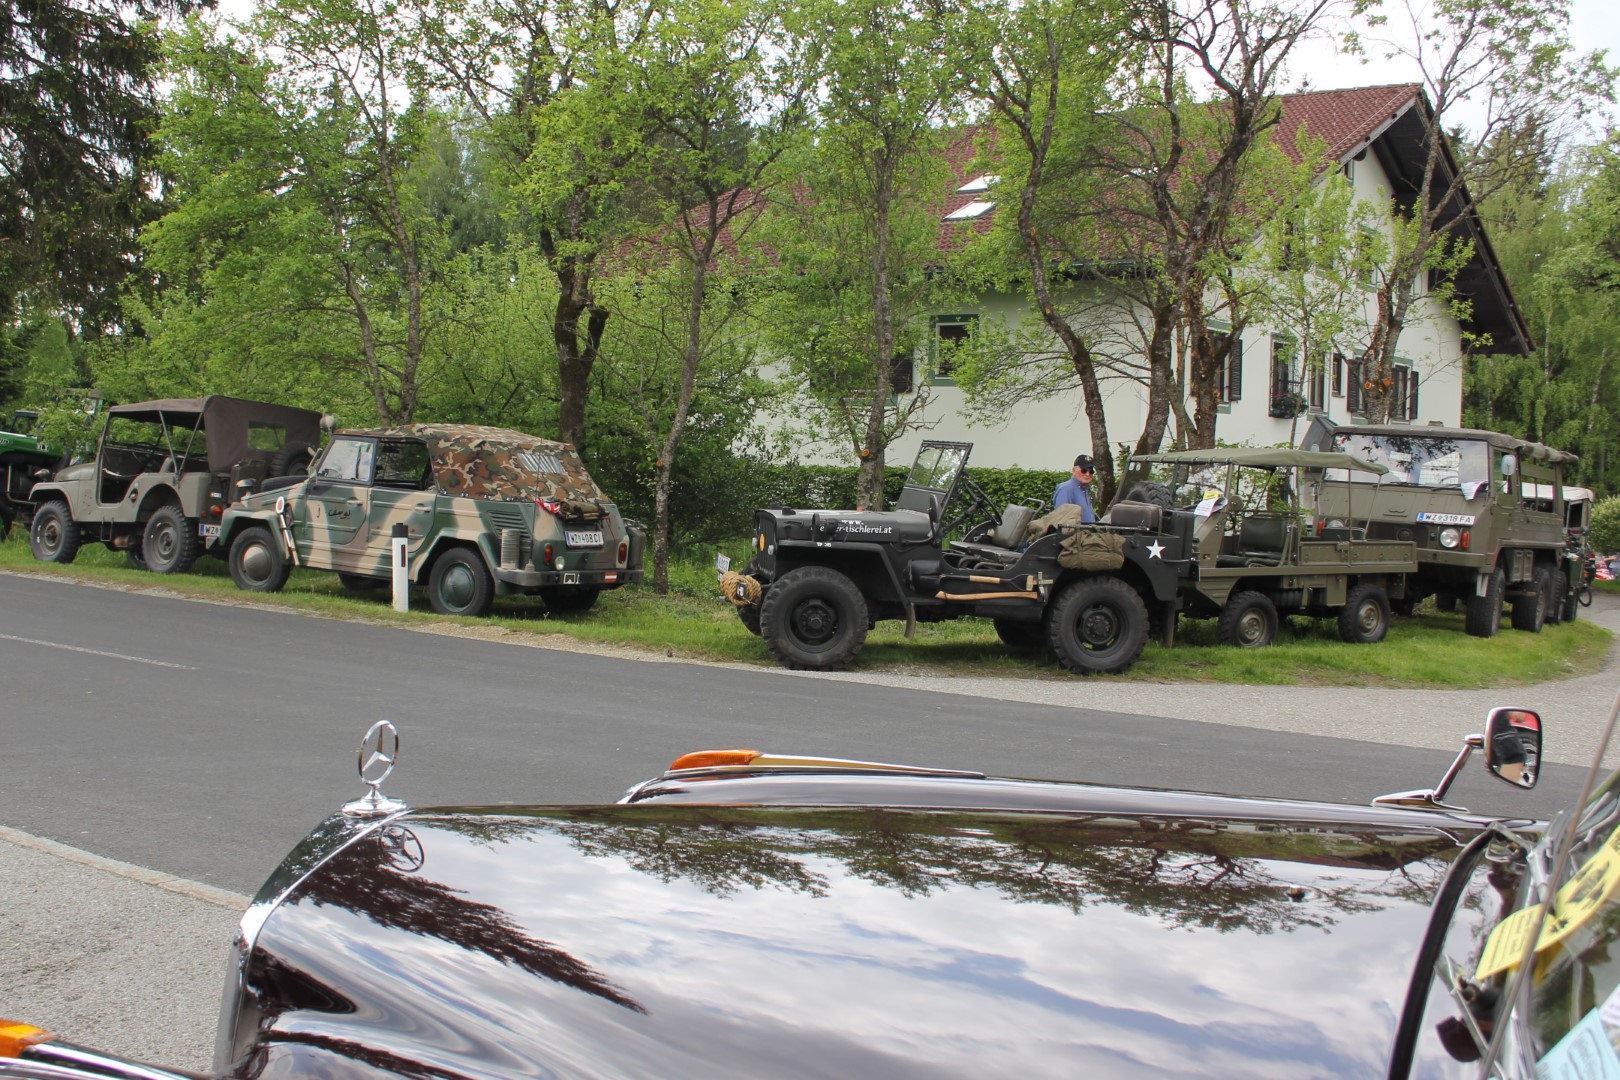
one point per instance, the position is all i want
(460, 584)
(170, 543)
(55, 535)
(1249, 621)
(1364, 619)
(1097, 626)
(813, 619)
(257, 564)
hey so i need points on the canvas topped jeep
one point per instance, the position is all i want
(163, 474)
(1246, 545)
(1486, 511)
(819, 579)
(484, 512)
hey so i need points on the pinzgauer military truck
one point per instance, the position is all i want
(1486, 511)
(484, 511)
(163, 474)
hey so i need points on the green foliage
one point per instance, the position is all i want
(1604, 534)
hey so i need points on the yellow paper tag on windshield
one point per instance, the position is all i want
(1580, 898)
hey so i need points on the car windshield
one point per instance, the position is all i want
(936, 467)
(1426, 460)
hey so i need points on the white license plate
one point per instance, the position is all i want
(207, 532)
(584, 539)
(570, 579)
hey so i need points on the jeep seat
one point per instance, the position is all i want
(1014, 525)
(1261, 541)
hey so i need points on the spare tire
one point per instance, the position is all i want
(1149, 492)
(294, 459)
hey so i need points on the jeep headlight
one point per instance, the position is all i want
(1450, 537)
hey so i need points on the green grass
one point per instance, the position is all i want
(1429, 650)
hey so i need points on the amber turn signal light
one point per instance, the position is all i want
(15, 1038)
(708, 759)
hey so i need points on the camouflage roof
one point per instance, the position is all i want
(498, 463)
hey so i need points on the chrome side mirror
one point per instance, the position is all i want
(1513, 746)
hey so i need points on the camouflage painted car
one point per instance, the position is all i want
(163, 475)
(23, 458)
(485, 512)
(1486, 510)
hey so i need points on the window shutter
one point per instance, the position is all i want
(1352, 387)
(1412, 410)
(1234, 371)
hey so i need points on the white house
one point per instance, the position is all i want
(1377, 136)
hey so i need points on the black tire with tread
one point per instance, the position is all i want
(256, 561)
(1097, 626)
(813, 619)
(170, 544)
(1530, 610)
(1148, 491)
(134, 556)
(294, 459)
(1248, 621)
(1364, 619)
(1483, 614)
(748, 615)
(570, 597)
(54, 535)
(1025, 636)
(1556, 611)
(460, 584)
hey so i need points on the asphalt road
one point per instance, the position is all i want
(194, 743)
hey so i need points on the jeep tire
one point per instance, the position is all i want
(256, 561)
(1097, 625)
(1364, 619)
(570, 597)
(748, 615)
(1248, 621)
(1530, 609)
(1025, 636)
(294, 459)
(813, 619)
(169, 545)
(1560, 597)
(460, 584)
(134, 555)
(1483, 616)
(54, 535)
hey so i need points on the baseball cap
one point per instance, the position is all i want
(1084, 462)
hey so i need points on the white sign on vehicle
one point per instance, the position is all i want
(1446, 519)
(207, 531)
(584, 539)
(571, 579)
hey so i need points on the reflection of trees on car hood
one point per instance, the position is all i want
(1219, 875)
(497, 463)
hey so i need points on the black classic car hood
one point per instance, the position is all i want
(655, 940)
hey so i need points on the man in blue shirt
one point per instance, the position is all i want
(1073, 490)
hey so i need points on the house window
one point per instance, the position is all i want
(1403, 393)
(951, 332)
(1286, 399)
(1229, 382)
(1316, 386)
(1338, 374)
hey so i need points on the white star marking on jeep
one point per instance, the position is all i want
(1155, 550)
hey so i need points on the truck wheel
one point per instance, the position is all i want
(1560, 597)
(1028, 636)
(55, 535)
(257, 564)
(813, 619)
(1097, 626)
(1364, 619)
(1530, 611)
(460, 584)
(362, 583)
(294, 459)
(1249, 621)
(570, 598)
(748, 615)
(170, 543)
(1483, 616)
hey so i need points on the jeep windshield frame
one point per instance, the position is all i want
(935, 475)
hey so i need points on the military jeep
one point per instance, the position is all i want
(1486, 511)
(484, 512)
(23, 459)
(163, 474)
(1254, 552)
(819, 579)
